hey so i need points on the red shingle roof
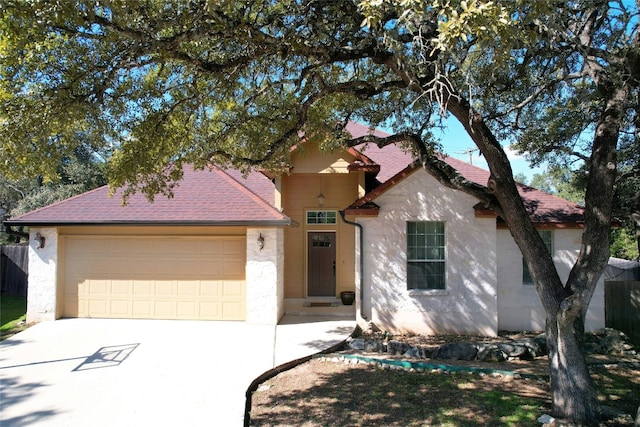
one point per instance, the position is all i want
(226, 197)
(543, 207)
(204, 197)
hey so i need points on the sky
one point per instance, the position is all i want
(456, 143)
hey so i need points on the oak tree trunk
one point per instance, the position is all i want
(573, 394)
(574, 397)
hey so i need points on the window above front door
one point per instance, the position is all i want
(322, 217)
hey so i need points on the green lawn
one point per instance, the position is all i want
(12, 312)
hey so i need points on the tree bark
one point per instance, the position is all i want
(573, 395)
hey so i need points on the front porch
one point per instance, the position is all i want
(318, 306)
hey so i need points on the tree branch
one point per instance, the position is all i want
(435, 165)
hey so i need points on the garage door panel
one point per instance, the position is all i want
(211, 288)
(184, 268)
(234, 269)
(232, 289)
(143, 288)
(214, 247)
(151, 277)
(234, 247)
(96, 287)
(165, 309)
(214, 268)
(121, 287)
(189, 289)
(166, 289)
(232, 311)
(187, 309)
(210, 309)
(142, 309)
(120, 308)
(98, 308)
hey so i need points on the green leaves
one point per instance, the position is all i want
(238, 83)
(169, 84)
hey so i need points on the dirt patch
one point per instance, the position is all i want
(332, 391)
(320, 393)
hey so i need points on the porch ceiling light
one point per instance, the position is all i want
(320, 199)
(261, 242)
(40, 241)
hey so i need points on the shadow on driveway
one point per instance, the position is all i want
(105, 357)
(13, 392)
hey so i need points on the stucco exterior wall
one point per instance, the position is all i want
(469, 302)
(42, 301)
(519, 306)
(300, 193)
(265, 276)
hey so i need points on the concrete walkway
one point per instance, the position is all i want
(104, 372)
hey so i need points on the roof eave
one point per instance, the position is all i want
(370, 212)
(373, 194)
(546, 225)
(268, 223)
(358, 167)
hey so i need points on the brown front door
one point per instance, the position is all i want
(321, 274)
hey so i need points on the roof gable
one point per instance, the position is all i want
(313, 160)
(211, 196)
(542, 207)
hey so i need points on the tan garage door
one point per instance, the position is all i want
(155, 277)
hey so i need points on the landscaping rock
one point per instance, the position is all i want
(616, 416)
(397, 348)
(593, 348)
(605, 341)
(541, 341)
(490, 353)
(414, 352)
(546, 420)
(513, 350)
(615, 344)
(608, 341)
(372, 346)
(356, 344)
(457, 351)
(532, 346)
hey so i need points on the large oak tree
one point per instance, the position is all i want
(167, 83)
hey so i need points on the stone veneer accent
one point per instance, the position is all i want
(265, 276)
(43, 273)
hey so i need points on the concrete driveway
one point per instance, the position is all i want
(99, 372)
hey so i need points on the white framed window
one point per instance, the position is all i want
(547, 238)
(322, 217)
(426, 267)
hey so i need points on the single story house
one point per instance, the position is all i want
(420, 257)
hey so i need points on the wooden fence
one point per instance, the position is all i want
(622, 307)
(14, 269)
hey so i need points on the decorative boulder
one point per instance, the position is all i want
(397, 348)
(490, 353)
(415, 353)
(458, 351)
(541, 341)
(513, 350)
(373, 346)
(356, 343)
(615, 344)
(592, 348)
(534, 349)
